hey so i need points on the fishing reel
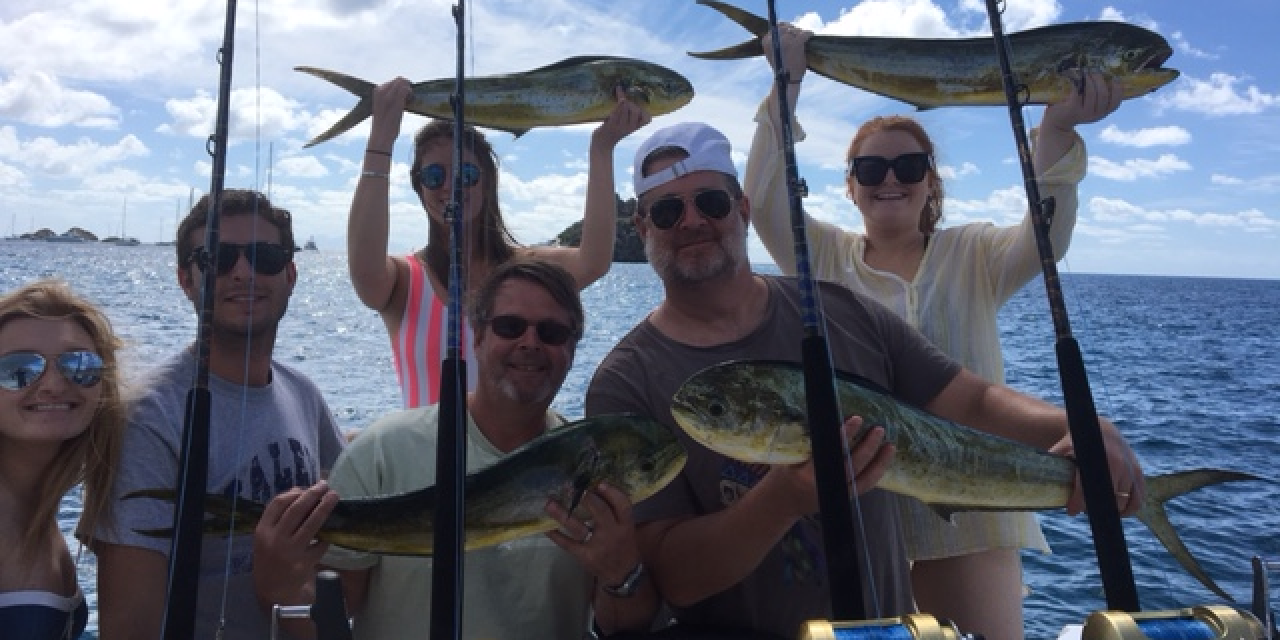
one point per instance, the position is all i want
(1212, 622)
(915, 626)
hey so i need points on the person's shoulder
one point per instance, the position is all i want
(294, 377)
(403, 424)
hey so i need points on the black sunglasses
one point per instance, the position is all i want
(21, 369)
(266, 258)
(550, 332)
(432, 176)
(667, 212)
(910, 168)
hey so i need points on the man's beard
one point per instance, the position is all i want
(732, 254)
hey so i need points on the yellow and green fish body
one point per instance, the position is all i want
(754, 411)
(502, 502)
(928, 73)
(572, 91)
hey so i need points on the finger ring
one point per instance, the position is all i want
(591, 531)
(1122, 494)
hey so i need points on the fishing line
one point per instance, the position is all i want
(831, 459)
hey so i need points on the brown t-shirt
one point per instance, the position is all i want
(643, 372)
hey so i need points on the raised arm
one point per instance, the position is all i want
(373, 271)
(591, 260)
(765, 181)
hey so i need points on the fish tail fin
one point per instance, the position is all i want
(1163, 488)
(755, 24)
(220, 518)
(362, 110)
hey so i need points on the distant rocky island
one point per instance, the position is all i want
(627, 246)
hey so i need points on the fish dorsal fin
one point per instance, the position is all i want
(576, 61)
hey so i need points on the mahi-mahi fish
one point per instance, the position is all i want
(572, 91)
(928, 73)
(754, 411)
(504, 501)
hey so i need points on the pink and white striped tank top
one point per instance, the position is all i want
(420, 346)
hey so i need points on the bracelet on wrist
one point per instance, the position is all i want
(379, 152)
(376, 174)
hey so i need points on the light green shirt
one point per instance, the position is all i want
(526, 588)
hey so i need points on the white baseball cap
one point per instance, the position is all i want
(708, 150)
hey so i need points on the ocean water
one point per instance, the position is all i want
(1187, 367)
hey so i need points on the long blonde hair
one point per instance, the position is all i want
(93, 456)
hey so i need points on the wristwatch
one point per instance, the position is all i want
(629, 584)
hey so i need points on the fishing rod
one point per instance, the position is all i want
(821, 402)
(1082, 416)
(451, 450)
(183, 588)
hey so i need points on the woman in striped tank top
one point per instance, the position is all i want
(410, 292)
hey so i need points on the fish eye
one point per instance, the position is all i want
(716, 410)
(647, 465)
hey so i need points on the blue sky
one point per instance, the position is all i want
(105, 107)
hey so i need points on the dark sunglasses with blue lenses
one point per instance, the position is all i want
(909, 168)
(550, 332)
(21, 369)
(667, 212)
(432, 176)
(266, 258)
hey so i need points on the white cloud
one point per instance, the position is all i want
(301, 167)
(966, 169)
(1217, 97)
(1186, 47)
(84, 157)
(196, 116)
(1017, 15)
(1155, 136)
(898, 18)
(1002, 207)
(1116, 15)
(37, 98)
(1137, 168)
(1266, 184)
(1122, 212)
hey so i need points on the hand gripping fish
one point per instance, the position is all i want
(754, 411)
(928, 73)
(572, 91)
(504, 501)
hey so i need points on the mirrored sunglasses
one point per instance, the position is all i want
(433, 176)
(21, 369)
(550, 332)
(266, 258)
(665, 213)
(909, 168)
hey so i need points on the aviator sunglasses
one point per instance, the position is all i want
(21, 369)
(910, 168)
(432, 175)
(266, 258)
(667, 212)
(550, 332)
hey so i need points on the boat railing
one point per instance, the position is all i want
(1262, 595)
(329, 613)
